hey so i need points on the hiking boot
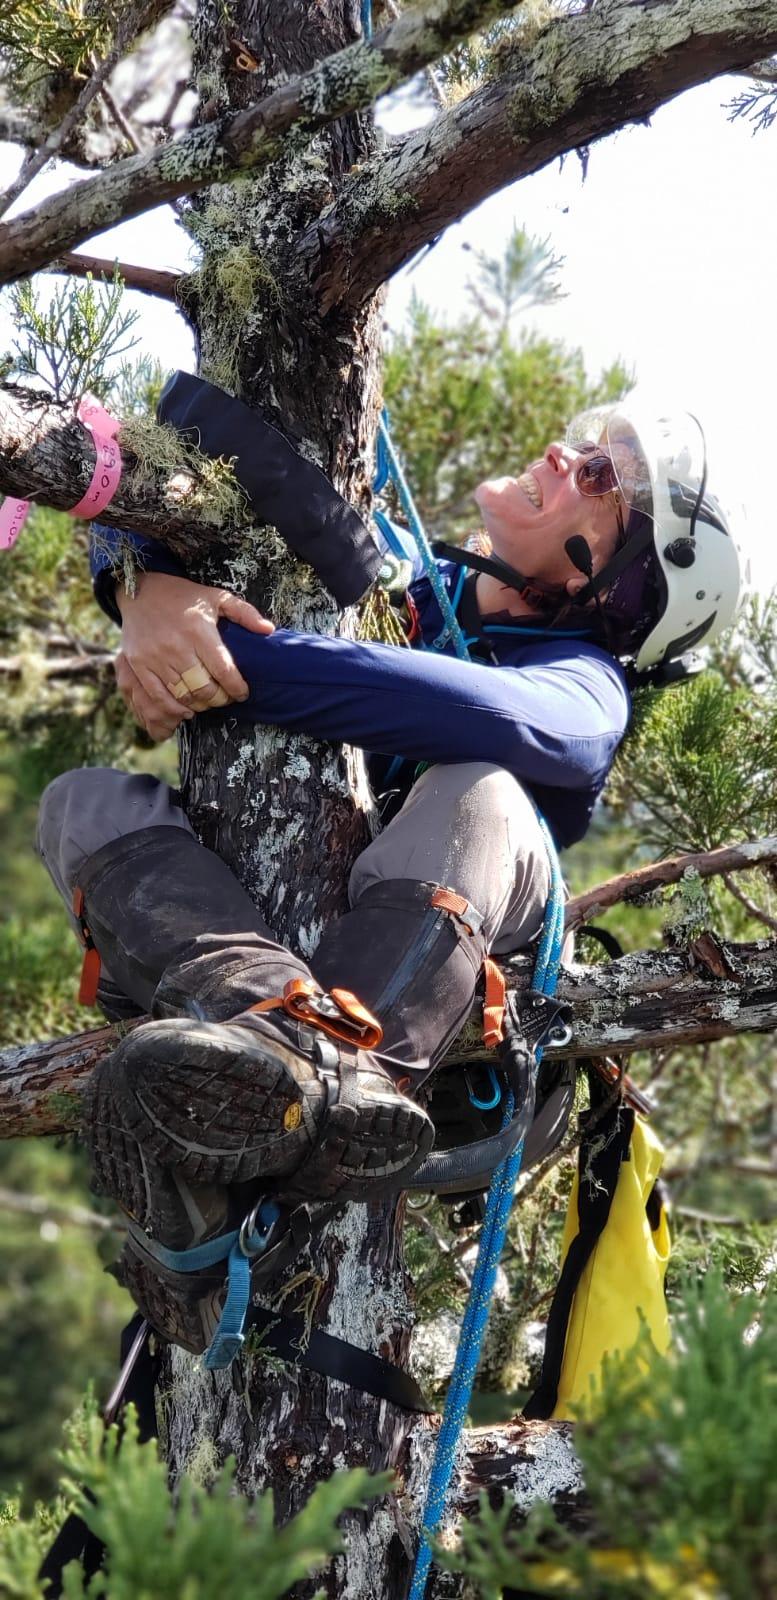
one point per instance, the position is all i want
(256, 1100)
(264, 1081)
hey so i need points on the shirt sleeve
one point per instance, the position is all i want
(106, 548)
(556, 720)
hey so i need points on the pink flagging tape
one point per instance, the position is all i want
(12, 518)
(105, 478)
(107, 468)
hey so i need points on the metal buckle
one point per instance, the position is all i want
(248, 1228)
(553, 1016)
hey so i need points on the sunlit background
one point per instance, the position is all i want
(670, 257)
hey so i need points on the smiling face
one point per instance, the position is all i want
(529, 518)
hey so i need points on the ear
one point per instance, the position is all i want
(574, 585)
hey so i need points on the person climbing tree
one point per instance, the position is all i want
(262, 1073)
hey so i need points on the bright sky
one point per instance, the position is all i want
(670, 250)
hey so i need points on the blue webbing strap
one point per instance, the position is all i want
(239, 1248)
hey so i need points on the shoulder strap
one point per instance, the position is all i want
(603, 1148)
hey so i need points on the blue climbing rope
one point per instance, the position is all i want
(492, 1238)
(389, 465)
(502, 1190)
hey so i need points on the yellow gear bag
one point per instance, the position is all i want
(615, 1251)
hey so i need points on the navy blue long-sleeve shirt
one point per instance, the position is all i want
(550, 708)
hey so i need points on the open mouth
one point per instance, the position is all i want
(531, 488)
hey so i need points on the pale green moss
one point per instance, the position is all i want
(235, 284)
(304, 1303)
(528, 24)
(371, 197)
(357, 74)
(203, 1465)
(689, 910)
(65, 1106)
(195, 483)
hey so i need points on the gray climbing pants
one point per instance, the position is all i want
(470, 827)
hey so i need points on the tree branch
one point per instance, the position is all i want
(346, 81)
(627, 886)
(132, 23)
(753, 910)
(645, 1001)
(148, 280)
(582, 77)
(48, 456)
(38, 1205)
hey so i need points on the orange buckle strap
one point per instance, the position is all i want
(339, 1013)
(493, 1004)
(458, 907)
(90, 966)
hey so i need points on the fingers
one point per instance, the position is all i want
(165, 704)
(198, 687)
(172, 645)
(241, 611)
(147, 707)
(216, 659)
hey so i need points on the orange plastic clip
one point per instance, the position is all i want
(493, 1004)
(90, 966)
(448, 900)
(339, 1014)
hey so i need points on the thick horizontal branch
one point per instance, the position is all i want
(130, 21)
(581, 77)
(148, 280)
(347, 81)
(48, 456)
(646, 1001)
(41, 1084)
(633, 885)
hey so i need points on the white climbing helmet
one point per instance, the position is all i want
(681, 572)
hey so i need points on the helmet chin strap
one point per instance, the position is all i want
(533, 591)
(541, 596)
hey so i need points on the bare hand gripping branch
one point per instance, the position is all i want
(347, 81)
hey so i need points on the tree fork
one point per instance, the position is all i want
(249, 140)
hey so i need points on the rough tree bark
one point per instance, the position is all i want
(651, 1000)
(288, 815)
(287, 316)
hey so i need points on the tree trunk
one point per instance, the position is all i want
(287, 814)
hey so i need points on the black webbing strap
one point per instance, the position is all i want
(287, 1338)
(603, 1149)
(75, 1542)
